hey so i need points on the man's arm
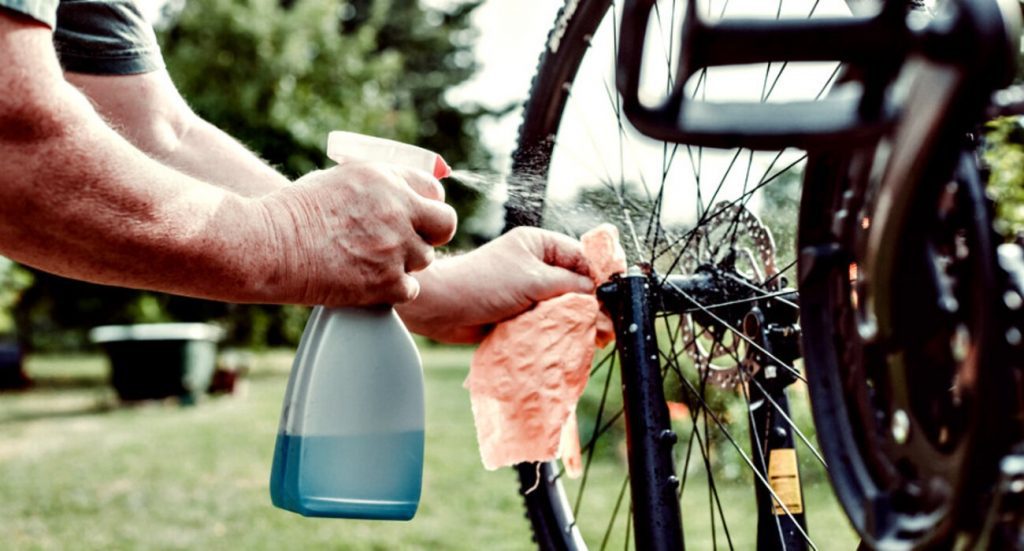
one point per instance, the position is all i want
(461, 296)
(150, 113)
(77, 199)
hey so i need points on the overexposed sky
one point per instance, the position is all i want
(512, 35)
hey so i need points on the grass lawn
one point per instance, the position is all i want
(78, 473)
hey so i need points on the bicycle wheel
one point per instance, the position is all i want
(918, 421)
(682, 211)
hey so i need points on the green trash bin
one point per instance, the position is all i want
(159, 360)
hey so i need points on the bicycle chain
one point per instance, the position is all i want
(725, 363)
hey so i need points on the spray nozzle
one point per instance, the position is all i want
(345, 146)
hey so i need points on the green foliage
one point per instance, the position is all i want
(13, 281)
(279, 79)
(279, 75)
(778, 211)
(1004, 155)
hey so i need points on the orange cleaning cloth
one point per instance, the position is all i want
(527, 375)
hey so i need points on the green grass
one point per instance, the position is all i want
(78, 472)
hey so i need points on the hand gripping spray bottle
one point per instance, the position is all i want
(350, 443)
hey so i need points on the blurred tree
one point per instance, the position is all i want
(279, 75)
(780, 203)
(1004, 155)
(13, 281)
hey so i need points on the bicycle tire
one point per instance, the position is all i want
(548, 509)
(935, 492)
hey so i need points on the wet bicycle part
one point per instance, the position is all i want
(754, 258)
(958, 302)
(907, 465)
(1011, 265)
(1004, 523)
(780, 513)
(898, 287)
(657, 524)
(1003, 527)
(633, 303)
(776, 334)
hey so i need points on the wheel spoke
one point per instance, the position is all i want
(687, 237)
(758, 446)
(796, 373)
(762, 295)
(658, 224)
(792, 424)
(774, 296)
(593, 439)
(704, 444)
(708, 411)
(615, 513)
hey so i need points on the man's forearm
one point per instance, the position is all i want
(148, 111)
(78, 200)
(207, 153)
(85, 204)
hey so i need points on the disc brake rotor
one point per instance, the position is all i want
(735, 242)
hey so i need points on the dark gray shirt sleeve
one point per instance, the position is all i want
(100, 37)
(44, 11)
(104, 37)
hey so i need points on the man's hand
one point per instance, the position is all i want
(464, 296)
(353, 233)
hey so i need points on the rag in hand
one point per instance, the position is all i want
(528, 374)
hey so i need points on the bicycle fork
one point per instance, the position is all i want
(781, 523)
(634, 301)
(653, 483)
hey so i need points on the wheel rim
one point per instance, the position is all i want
(713, 438)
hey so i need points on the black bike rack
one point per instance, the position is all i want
(860, 107)
(876, 46)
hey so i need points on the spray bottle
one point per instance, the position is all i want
(350, 443)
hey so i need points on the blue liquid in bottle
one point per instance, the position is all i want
(378, 475)
(351, 437)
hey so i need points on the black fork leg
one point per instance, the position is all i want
(781, 523)
(657, 523)
(776, 529)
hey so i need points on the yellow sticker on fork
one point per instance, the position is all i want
(785, 481)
